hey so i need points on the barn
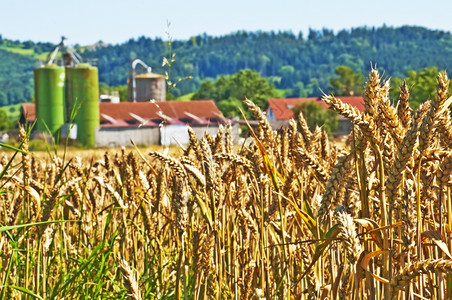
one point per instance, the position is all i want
(150, 123)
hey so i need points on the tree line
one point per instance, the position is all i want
(300, 65)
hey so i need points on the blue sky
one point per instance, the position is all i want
(88, 21)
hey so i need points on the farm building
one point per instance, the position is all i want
(279, 111)
(150, 123)
(68, 105)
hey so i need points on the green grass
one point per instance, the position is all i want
(280, 93)
(27, 52)
(43, 56)
(186, 97)
(13, 111)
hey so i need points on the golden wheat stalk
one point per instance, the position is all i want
(320, 171)
(307, 134)
(196, 173)
(130, 281)
(403, 107)
(421, 267)
(445, 129)
(173, 163)
(237, 159)
(364, 121)
(391, 122)
(437, 108)
(404, 154)
(336, 185)
(194, 144)
(264, 126)
(408, 213)
(349, 236)
(218, 144)
(370, 93)
(295, 138)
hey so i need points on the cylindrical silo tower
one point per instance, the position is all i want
(82, 99)
(149, 86)
(49, 95)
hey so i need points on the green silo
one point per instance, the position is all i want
(82, 98)
(49, 95)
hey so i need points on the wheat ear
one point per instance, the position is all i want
(403, 108)
(130, 281)
(364, 121)
(349, 236)
(264, 127)
(371, 92)
(418, 268)
(336, 184)
(430, 121)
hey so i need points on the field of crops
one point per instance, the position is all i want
(290, 216)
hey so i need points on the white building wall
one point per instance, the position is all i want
(170, 133)
(165, 135)
(120, 136)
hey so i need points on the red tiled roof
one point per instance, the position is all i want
(199, 112)
(122, 110)
(155, 111)
(282, 108)
(200, 108)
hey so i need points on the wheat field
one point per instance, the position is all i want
(289, 216)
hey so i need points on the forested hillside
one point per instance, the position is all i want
(16, 78)
(302, 63)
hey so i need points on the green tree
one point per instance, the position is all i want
(234, 89)
(207, 90)
(287, 73)
(249, 84)
(300, 90)
(3, 99)
(231, 107)
(104, 88)
(422, 84)
(316, 115)
(123, 91)
(348, 83)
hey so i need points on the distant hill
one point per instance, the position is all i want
(16, 77)
(288, 60)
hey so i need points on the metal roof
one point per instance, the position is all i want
(195, 112)
(282, 108)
